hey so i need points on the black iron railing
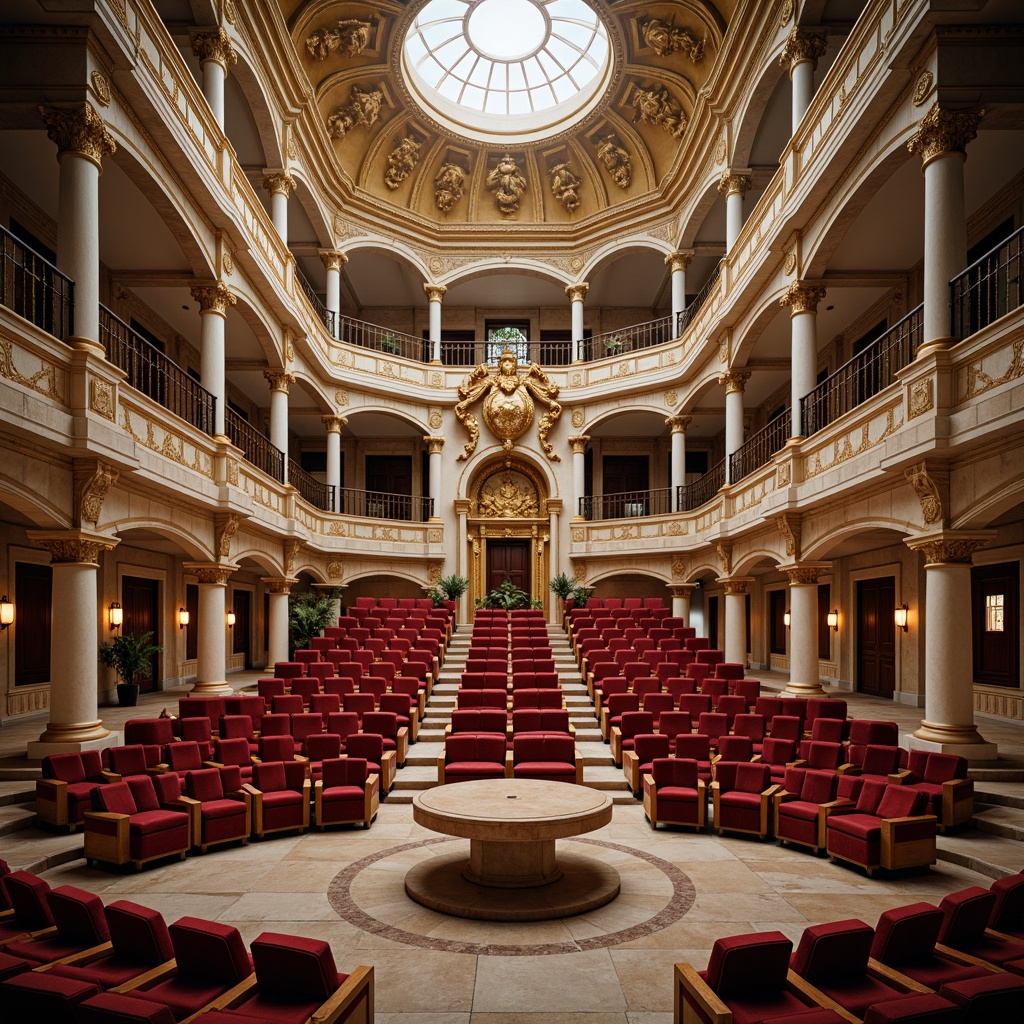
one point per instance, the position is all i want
(628, 339)
(627, 504)
(988, 289)
(35, 289)
(326, 316)
(703, 490)
(257, 449)
(760, 447)
(383, 339)
(863, 376)
(379, 505)
(685, 316)
(319, 495)
(473, 352)
(151, 372)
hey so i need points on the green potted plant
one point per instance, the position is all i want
(389, 343)
(307, 616)
(453, 587)
(614, 345)
(507, 596)
(129, 656)
(579, 596)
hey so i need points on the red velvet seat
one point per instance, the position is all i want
(546, 756)
(778, 754)
(695, 704)
(943, 779)
(64, 793)
(622, 736)
(31, 998)
(134, 759)
(288, 704)
(157, 731)
(965, 927)
(823, 756)
(673, 724)
(475, 720)
(268, 689)
(613, 708)
(714, 725)
(468, 757)
(343, 724)
(879, 762)
(221, 811)
(385, 724)
(741, 798)
(305, 686)
(697, 747)
(360, 703)
(731, 706)
(370, 746)
(404, 708)
(866, 730)
(674, 793)
(637, 762)
(117, 1008)
(925, 1008)
(237, 752)
(803, 805)
(80, 925)
(994, 997)
(470, 698)
(346, 793)
(184, 756)
(735, 748)
(199, 731)
(210, 708)
(1007, 914)
(537, 699)
(289, 669)
(236, 727)
(526, 720)
(320, 747)
(277, 747)
(280, 797)
(748, 689)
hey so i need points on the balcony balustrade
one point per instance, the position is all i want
(988, 289)
(380, 505)
(318, 494)
(627, 504)
(35, 289)
(256, 448)
(760, 447)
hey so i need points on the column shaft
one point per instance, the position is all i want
(277, 628)
(214, 76)
(279, 424)
(733, 428)
(736, 627)
(334, 465)
(945, 239)
(211, 361)
(802, 77)
(78, 238)
(805, 362)
(804, 672)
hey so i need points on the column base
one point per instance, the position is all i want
(72, 739)
(964, 740)
(936, 344)
(212, 689)
(85, 344)
(803, 690)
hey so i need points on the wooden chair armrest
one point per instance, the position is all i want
(701, 993)
(357, 987)
(896, 822)
(849, 768)
(109, 776)
(797, 763)
(958, 957)
(883, 972)
(151, 977)
(774, 788)
(248, 787)
(85, 956)
(106, 816)
(898, 778)
(232, 998)
(838, 806)
(816, 997)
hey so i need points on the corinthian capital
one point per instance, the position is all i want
(434, 444)
(279, 380)
(678, 424)
(434, 292)
(577, 292)
(333, 423)
(680, 259)
(214, 46)
(944, 131)
(735, 183)
(803, 297)
(216, 297)
(79, 130)
(278, 181)
(802, 46)
(579, 443)
(734, 381)
(332, 259)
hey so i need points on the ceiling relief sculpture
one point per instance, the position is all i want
(508, 495)
(615, 148)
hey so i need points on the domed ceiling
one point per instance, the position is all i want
(491, 111)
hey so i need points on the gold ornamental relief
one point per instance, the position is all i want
(508, 495)
(508, 413)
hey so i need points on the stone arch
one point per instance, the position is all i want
(819, 548)
(262, 559)
(192, 547)
(41, 511)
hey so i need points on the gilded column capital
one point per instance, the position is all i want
(579, 443)
(71, 547)
(279, 181)
(736, 584)
(801, 46)
(434, 444)
(79, 130)
(333, 423)
(216, 298)
(279, 380)
(211, 573)
(680, 259)
(434, 292)
(679, 423)
(463, 506)
(577, 292)
(279, 584)
(805, 574)
(803, 297)
(949, 547)
(735, 381)
(735, 182)
(214, 46)
(333, 259)
(681, 589)
(944, 131)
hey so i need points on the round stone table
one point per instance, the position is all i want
(512, 873)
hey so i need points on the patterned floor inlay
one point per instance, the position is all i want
(370, 894)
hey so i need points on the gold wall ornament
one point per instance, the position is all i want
(335, 570)
(402, 161)
(944, 131)
(565, 186)
(671, 397)
(449, 186)
(508, 495)
(341, 397)
(927, 492)
(225, 528)
(789, 526)
(507, 404)
(291, 553)
(724, 556)
(616, 160)
(79, 130)
(923, 87)
(921, 400)
(93, 489)
(666, 38)
(435, 418)
(507, 183)
(802, 297)
(802, 46)
(578, 418)
(101, 398)
(678, 567)
(579, 570)
(348, 38)
(655, 105)
(101, 87)
(363, 108)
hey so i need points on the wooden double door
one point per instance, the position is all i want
(140, 598)
(509, 558)
(876, 637)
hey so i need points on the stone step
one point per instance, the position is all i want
(1006, 794)
(16, 817)
(995, 857)
(1002, 821)
(18, 791)
(33, 849)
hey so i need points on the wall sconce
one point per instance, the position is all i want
(231, 619)
(900, 616)
(833, 619)
(182, 618)
(116, 615)
(6, 612)
(787, 618)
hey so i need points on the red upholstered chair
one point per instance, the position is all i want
(989, 998)
(64, 793)
(396, 737)
(320, 747)
(80, 925)
(158, 731)
(277, 748)
(555, 720)
(914, 1009)
(26, 894)
(134, 759)
(965, 927)
(220, 809)
(622, 735)
(549, 699)
(270, 688)
(476, 720)
(741, 798)
(778, 754)
(731, 706)
(1007, 915)
(414, 688)
(659, 704)
(321, 669)
(673, 724)
(714, 688)
(866, 730)
(289, 669)
(346, 793)
(674, 793)
(879, 762)
(235, 751)
(403, 707)
(209, 960)
(233, 727)
(714, 725)
(943, 779)
(802, 806)
(343, 724)
(117, 1008)
(360, 703)
(296, 980)
(468, 757)
(31, 997)
(886, 829)
(288, 704)
(786, 727)
(769, 707)
(747, 981)
(304, 725)
(375, 684)
(280, 793)
(637, 762)
(612, 710)
(194, 707)
(734, 748)
(696, 704)
(305, 686)
(324, 704)
(471, 698)
(338, 686)
(199, 731)
(184, 756)
(546, 756)
(824, 707)
(729, 670)
(822, 756)
(835, 959)
(826, 730)
(307, 656)
(370, 747)
(697, 747)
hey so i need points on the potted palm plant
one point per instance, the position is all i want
(453, 587)
(308, 614)
(129, 656)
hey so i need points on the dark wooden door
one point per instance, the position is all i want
(389, 486)
(140, 599)
(626, 483)
(33, 590)
(713, 621)
(876, 637)
(242, 604)
(777, 621)
(995, 617)
(508, 559)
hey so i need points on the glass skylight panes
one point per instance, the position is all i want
(503, 67)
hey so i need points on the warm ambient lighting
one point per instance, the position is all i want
(116, 616)
(833, 620)
(787, 618)
(6, 612)
(901, 617)
(182, 618)
(231, 619)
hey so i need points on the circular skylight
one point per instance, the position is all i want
(502, 69)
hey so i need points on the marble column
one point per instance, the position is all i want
(211, 661)
(280, 186)
(334, 425)
(214, 302)
(800, 56)
(948, 723)
(434, 446)
(681, 600)
(278, 589)
(678, 262)
(435, 293)
(941, 142)
(74, 722)
(734, 185)
(677, 465)
(555, 603)
(577, 293)
(463, 562)
(280, 382)
(333, 261)
(736, 618)
(579, 475)
(734, 382)
(215, 55)
(82, 141)
(804, 671)
(802, 300)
